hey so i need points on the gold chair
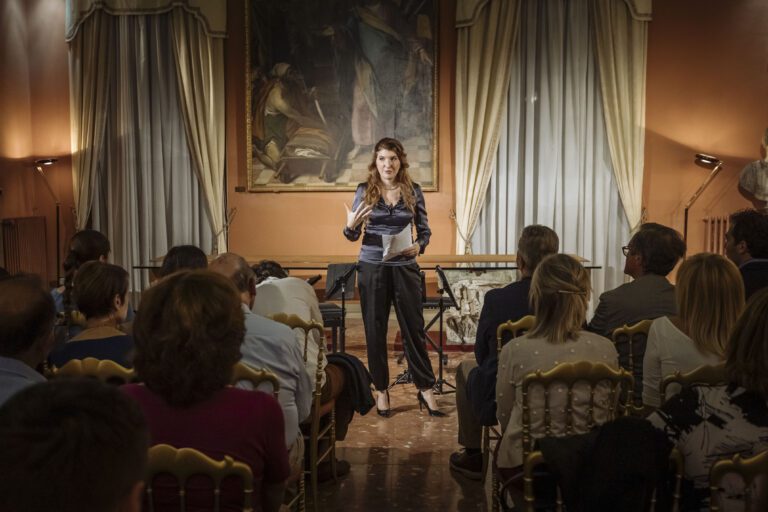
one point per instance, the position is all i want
(256, 376)
(753, 472)
(709, 375)
(101, 369)
(516, 329)
(319, 410)
(183, 463)
(630, 342)
(567, 374)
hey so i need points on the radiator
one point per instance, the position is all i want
(714, 234)
(24, 246)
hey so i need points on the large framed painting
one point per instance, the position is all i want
(326, 80)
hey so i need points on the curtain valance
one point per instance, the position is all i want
(212, 15)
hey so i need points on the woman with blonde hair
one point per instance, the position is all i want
(710, 297)
(707, 423)
(559, 294)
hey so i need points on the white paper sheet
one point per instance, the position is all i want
(394, 245)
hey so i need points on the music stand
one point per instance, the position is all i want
(340, 285)
(446, 299)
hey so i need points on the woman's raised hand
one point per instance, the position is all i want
(356, 217)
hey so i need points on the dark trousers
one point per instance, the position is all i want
(380, 286)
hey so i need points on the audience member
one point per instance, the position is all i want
(188, 335)
(651, 255)
(183, 257)
(26, 333)
(276, 292)
(746, 244)
(476, 378)
(707, 423)
(272, 345)
(71, 446)
(559, 295)
(101, 294)
(84, 246)
(710, 297)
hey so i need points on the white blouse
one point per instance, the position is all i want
(667, 351)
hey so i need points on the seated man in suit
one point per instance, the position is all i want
(650, 256)
(476, 379)
(746, 244)
(27, 315)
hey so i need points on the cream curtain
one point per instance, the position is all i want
(553, 165)
(621, 43)
(143, 183)
(89, 79)
(200, 77)
(484, 50)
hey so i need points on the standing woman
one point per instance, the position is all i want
(387, 204)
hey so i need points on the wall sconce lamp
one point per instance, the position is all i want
(39, 164)
(709, 162)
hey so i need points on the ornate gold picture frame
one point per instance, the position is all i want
(326, 80)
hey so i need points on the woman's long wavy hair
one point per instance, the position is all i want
(188, 334)
(710, 298)
(374, 189)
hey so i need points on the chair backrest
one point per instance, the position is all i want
(256, 376)
(708, 375)
(183, 463)
(753, 472)
(296, 322)
(515, 329)
(101, 369)
(630, 342)
(605, 385)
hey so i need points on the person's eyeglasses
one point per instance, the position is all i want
(625, 250)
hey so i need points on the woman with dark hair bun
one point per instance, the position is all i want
(183, 257)
(188, 336)
(101, 294)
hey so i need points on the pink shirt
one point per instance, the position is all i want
(246, 425)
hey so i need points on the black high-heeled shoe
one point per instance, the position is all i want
(384, 413)
(423, 403)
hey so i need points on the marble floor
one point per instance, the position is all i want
(401, 462)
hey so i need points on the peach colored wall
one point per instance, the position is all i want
(34, 101)
(311, 222)
(707, 92)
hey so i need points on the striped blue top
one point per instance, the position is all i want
(389, 220)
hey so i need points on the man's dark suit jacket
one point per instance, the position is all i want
(755, 276)
(647, 297)
(501, 305)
